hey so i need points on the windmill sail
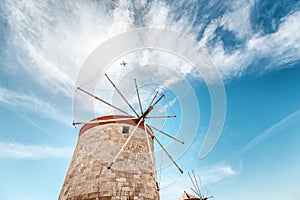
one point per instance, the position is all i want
(187, 196)
(114, 156)
(196, 189)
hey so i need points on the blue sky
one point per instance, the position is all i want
(254, 45)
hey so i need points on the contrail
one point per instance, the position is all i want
(270, 131)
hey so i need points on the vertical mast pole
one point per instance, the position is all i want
(137, 92)
(105, 102)
(121, 95)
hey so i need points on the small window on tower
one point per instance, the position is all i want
(125, 130)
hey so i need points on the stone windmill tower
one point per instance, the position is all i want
(114, 156)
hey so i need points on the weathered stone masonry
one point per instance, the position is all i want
(132, 176)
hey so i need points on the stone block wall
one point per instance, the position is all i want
(131, 177)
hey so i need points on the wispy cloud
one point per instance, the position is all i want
(279, 48)
(51, 41)
(31, 104)
(292, 118)
(282, 47)
(13, 150)
(207, 175)
(167, 106)
(216, 173)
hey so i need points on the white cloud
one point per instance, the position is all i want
(30, 103)
(13, 150)
(157, 16)
(209, 33)
(216, 173)
(238, 18)
(167, 106)
(207, 175)
(51, 41)
(280, 48)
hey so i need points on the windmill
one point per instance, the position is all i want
(114, 156)
(196, 189)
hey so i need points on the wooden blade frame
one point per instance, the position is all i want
(121, 95)
(138, 95)
(160, 117)
(171, 158)
(140, 118)
(170, 136)
(105, 102)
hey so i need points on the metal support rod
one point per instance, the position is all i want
(168, 154)
(153, 99)
(146, 112)
(126, 142)
(159, 117)
(196, 193)
(121, 95)
(158, 100)
(105, 102)
(151, 107)
(198, 188)
(103, 121)
(194, 184)
(166, 134)
(138, 95)
(146, 134)
(151, 156)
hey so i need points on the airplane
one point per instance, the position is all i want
(123, 63)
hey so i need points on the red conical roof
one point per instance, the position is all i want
(187, 196)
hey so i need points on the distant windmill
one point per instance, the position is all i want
(196, 189)
(114, 156)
